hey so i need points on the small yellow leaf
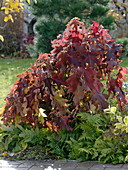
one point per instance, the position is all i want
(1, 38)
(126, 129)
(4, 154)
(6, 19)
(119, 118)
(6, 11)
(9, 17)
(107, 110)
(29, 1)
(26, 89)
(120, 126)
(42, 112)
(126, 120)
(113, 110)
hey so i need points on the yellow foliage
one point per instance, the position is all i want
(11, 6)
(126, 120)
(4, 154)
(29, 1)
(1, 38)
(8, 17)
(119, 10)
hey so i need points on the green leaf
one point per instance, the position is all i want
(113, 110)
(126, 120)
(119, 118)
(5, 128)
(120, 126)
(1, 38)
(126, 158)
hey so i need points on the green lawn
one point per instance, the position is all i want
(9, 68)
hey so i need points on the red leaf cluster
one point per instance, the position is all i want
(69, 79)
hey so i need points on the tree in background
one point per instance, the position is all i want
(52, 15)
(10, 7)
(119, 9)
(11, 26)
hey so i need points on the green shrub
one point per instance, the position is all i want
(18, 137)
(101, 137)
(124, 41)
(52, 15)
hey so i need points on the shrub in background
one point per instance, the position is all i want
(124, 42)
(69, 79)
(27, 46)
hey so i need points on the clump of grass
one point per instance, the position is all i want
(9, 69)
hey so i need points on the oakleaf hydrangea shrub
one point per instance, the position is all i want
(69, 79)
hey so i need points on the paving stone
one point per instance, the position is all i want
(22, 169)
(100, 168)
(98, 165)
(87, 164)
(8, 168)
(14, 162)
(70, 164)
(113, 166)
(7, 164)
(82, 168)
(19, 161)
(59, 164)
(67, 168)
(46, 164)
(37, 168)
(63, 161)
(125, 166)
(115, 169)
(26, 164)
(55, 166)
(46, 161)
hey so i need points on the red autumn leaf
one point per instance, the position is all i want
(122, 73)
(99, 100)
(78, 94)
(95, 27)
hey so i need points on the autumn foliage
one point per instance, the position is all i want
(69, 79)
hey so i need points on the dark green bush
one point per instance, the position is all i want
(124, 41)
(52, 15)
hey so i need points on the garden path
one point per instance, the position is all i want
(58, 165)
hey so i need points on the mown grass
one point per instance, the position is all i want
(10, 68)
